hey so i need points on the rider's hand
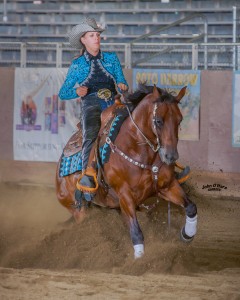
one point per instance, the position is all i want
(123, 87)
(82, 91)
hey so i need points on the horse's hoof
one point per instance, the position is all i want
(138, 251)
(184, 237)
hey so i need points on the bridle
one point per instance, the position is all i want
(154, 168)
(154, 129)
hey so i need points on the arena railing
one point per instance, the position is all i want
(173, 55)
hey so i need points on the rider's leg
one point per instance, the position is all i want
(92, 108)
(91, 123)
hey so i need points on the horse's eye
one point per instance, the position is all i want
(159, 122)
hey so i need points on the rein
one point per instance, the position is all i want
(142, 134)
(153, 168)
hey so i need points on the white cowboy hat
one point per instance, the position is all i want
(79, 30)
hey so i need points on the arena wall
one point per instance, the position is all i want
(213, 152)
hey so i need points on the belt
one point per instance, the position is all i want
(104, 94)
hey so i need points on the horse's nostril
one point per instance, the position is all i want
(171, 157)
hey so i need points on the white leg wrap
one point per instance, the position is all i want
(138, 251)
(191, 226)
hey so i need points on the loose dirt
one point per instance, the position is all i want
(41, 257)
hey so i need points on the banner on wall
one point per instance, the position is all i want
(174, 80)
(236, 110)
(42, 123)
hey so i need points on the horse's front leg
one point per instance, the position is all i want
(176, 195)
(128, 210)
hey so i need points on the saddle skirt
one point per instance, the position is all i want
(74, 144)
(111, 130)
(71, 160)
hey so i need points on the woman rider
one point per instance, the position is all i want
(96, 74)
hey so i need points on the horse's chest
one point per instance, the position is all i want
(164, 179)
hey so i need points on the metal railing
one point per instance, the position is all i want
(176, 23)
(182, 55)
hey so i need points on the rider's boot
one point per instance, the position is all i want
(88, 183)
(184, 174)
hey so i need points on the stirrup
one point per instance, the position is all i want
(184, 174)
(85, 189)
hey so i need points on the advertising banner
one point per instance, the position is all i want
(236, 110)
(173, 81)
(42, 122)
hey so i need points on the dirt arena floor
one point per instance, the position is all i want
(43, 258)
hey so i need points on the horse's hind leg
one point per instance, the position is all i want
(176, 195)
(129, 212)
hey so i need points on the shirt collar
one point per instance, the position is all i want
(89, 56)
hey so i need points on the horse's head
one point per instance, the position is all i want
(166, 120)
(157, 118)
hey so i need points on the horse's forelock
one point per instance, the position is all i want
(137, 96)
(143, 90)
(166, 96)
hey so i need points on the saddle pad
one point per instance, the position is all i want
(73, 163)
(70, 164)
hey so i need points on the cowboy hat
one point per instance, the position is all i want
(79, 30)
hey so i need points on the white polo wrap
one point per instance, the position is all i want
(191, 226)
(138, 250)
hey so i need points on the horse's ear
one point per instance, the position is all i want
(181, 94)
(155, 92)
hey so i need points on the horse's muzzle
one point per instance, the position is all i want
(168, 156)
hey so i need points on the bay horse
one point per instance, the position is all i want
(141, 163)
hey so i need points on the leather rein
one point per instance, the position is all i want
(155, 168)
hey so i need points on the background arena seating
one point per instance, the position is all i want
(124, 20)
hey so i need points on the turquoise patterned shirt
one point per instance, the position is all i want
(81, 70)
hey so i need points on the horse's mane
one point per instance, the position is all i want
(143, 90)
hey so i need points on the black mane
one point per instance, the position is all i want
(143, 90)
